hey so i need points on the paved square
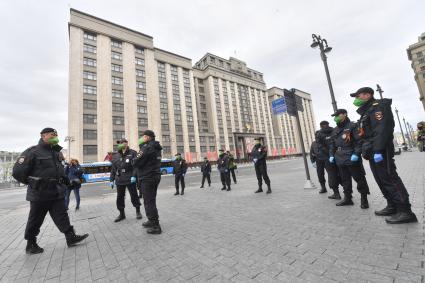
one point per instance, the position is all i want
(292, 235)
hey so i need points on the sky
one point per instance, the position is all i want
(369, 41)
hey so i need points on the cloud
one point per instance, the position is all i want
(369, 40)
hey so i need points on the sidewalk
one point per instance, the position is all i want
(292, 235)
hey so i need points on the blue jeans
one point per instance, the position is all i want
(76, 193)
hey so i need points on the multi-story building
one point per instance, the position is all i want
(416, 54)
(120, 85)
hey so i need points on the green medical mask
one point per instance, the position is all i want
(120, 146)
(337, 119)
(53, 141)
(359, 102)
(141, 141)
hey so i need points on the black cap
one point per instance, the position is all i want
(123, 140)
(221, 150)
(178, 154)
(148, 133)
(48, 130)
(324, 123)
(362, 90)
(257, 139)
(339, 111)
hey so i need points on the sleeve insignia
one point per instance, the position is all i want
(21, 159)
(376, 103)
(379, 115)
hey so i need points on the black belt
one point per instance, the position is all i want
(339, 148)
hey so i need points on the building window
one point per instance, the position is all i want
(164, 116)
(116, 68)
(89, 48)
(175, 87)
(117, 107)
(419, 54)
(89, 75)
(89, 62)
(205, 124)
(179, 138)
(116, 44)
(141, 85)
(163, 105)
(189, 118)
(212, 148)
(89, 149)
(162, 85)
(165, 127)
(116, 55)
(117, 120)
(179, 128)
(421, 61)
(117, 93)
(203, 149)
(139, 50)
(89, 104)
(165, 138)
(89, 36)
(89, 134)
(161, 75)
(116, 81)
(162, 94)
(142, 97)
(89, 119)
(117, 135)
(180, 149)
(166, 149)
(140, 73)
(174, 78)
(142, 109)
(140, 62)
(89, 89)
(191, 138)
(176, 107)
(177, 117)
(143, 122)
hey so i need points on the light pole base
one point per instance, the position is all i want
(309, 185)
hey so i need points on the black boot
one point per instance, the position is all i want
(364, 203)
(201, 187)
(182, 192)
(260, 190)
(120, 217)
(228, 189)
(138, 214)
(33, 248)
(269, 190)
(335, 195)
(155, 229)
(72, 238)
(390, 209)
(148, 224)
(177, 193)
(323, 190)
(404, 215)
(223, 188)
(345, 201)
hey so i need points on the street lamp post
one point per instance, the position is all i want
(401, 129)
(324, 48)
(407, 133)
(69, 139)
(412, 138)
(379, 89)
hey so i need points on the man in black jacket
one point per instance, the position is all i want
(206, 172)
(376, 128)
(223, 168)
(179, 171)
(148, 164)
(259, 156)
(40, 167)
(123, 175)
(345, 151)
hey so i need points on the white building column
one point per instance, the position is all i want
(255, 94)
(223, 114)
(195, 116)
(254, 125)
(130, 96)
(213, 111)
(238, 109)
(104, 97)
(231, 107)
(183, 110)
(170, 100)
(75, 95)
(269, 122)
(152, 91)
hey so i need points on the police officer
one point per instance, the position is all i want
(345, 151)
(319, 156)
(223, 168)
(206, 172)
(259, 156)
(232, 166)
(40, 167)
(123, 175)
(421, 136)
(179, 171)
(148, 164)
(376, 127)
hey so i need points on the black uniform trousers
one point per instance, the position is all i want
(38, 211)
(391, 185)
(320, 169)
(261, 172)
(179, 179)
(150, 187)
(132, 189)
(232, 171)
(333, 174)
(225, 179)
(206, 176)
(356, 172)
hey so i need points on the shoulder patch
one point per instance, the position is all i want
(379, 115)
(21, 159)
(376, 103)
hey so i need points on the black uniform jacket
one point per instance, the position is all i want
(223, 163)
(122, 167)
(259, 152)
(148, 160)
(344, 142)
(320, 147)
(179, 167)
(40, 167)
(206, 167)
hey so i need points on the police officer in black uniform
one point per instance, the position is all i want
(223, 168)
(123, 175)
(179, 171)
(259, 156)
(206, 172)
(148, 164)
(376, 127)
(345, 150)
(319, 156)
(40, 167)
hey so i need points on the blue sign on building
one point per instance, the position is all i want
(279, 106)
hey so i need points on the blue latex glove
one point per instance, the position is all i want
(225, 170)
(112, 184)
(332, 159)
(354, 158)
(255, 160)
(184, 174)
(314, 164)
(378, 157)
(133, 180)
